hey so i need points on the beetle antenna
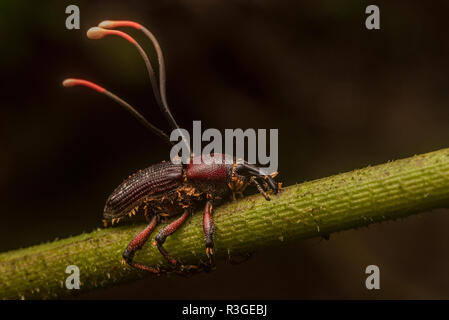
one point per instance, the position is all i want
(109, 24)
(80, 82)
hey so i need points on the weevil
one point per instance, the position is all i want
(169, 189)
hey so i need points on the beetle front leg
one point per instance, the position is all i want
(252, 170)
(167, 231)
(209, 229)
(259, 187)
(136, 244)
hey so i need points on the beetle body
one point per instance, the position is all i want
(167, 188)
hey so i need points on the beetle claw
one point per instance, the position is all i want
(209, 252)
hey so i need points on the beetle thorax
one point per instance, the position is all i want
(209, 178)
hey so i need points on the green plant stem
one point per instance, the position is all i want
(312, 209)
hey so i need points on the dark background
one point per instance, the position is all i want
(342, 97)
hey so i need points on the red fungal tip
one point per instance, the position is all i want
(111, 24)
(68, 83)
(98, 33)
(80, 82)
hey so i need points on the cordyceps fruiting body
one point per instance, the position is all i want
(171, 189)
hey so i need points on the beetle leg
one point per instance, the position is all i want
(268, 183)
(260, 188)
(167, 231)
(137, 244)
(208, 227)
(255, 171)
(271, 184)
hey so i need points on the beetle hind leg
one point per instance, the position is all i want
(167, 231)
(136, 244)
